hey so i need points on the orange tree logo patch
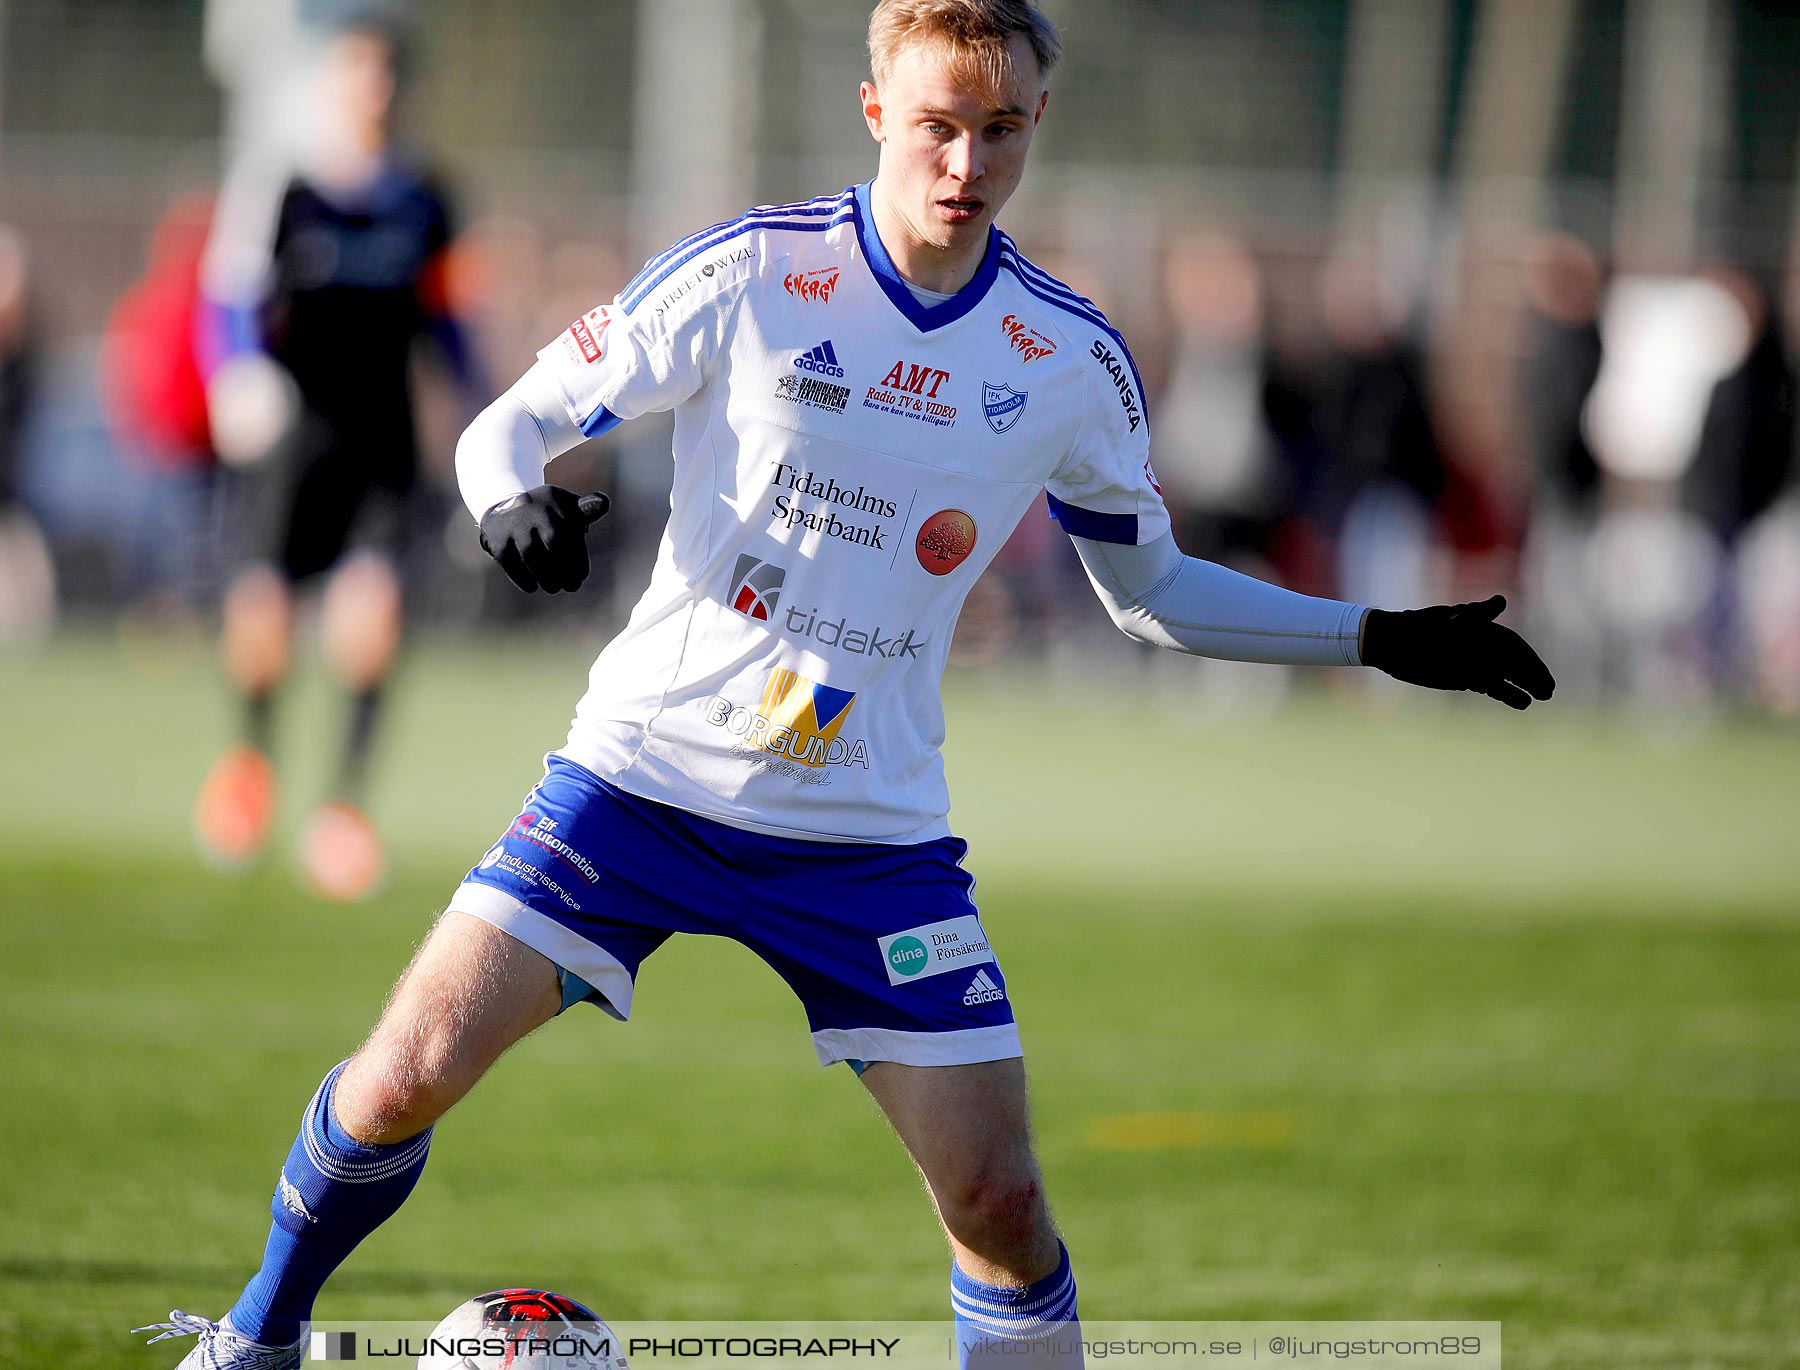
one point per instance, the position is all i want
(945, 541)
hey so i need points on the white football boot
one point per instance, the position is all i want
(223, 1347)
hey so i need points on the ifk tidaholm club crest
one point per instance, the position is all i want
(1002, 405)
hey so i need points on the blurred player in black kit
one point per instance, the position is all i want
(310, 388)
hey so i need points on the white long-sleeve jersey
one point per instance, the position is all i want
(847, 462)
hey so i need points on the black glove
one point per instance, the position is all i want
(1457, 647)
(540, 537)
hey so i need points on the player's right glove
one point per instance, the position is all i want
(540, 537)
(1457, 647)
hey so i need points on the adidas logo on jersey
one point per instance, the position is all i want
(821, 360)
(982, 990)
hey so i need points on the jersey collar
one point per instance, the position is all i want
(924, 317)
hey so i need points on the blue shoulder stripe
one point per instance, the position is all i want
(762, 211)
(659, 268)
(824, 206)
(1092, 316)
(1070, 304)
(644, 290)
(1029, 268)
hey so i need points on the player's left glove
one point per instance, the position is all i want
(540, 537)
(1457, 647)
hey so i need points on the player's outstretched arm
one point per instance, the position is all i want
(1457, 647)
(1157, 595)
(537, 532)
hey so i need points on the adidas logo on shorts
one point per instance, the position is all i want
(982, 990)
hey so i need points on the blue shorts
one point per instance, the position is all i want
(882, 944)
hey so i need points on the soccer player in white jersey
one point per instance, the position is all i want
(869, 390)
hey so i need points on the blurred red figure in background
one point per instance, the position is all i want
(154, 384)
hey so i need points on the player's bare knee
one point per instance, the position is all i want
(360, 621)
(427, 1092)
(469, 994)
(427, 1052)
(374, 1104)
(391, 1091)
(996, 1207)
(410, 1072)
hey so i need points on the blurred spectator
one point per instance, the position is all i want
(154, 384)
(27, 582)
(1385, 475)
(156, 398)
(311, 394)
(1564, 283)
(1658, 569)
(15, 359)
(1767, 596)
(1668, 341)
(1746, 447)
(1744, 460)
(1656, 572)
(1222, 471)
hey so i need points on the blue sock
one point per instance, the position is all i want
(989, 1315)
(333, 1192)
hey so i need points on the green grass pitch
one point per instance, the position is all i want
(1340, 1014)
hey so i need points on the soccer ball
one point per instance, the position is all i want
(522, 1329)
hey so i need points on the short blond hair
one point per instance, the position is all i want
(974, 31)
